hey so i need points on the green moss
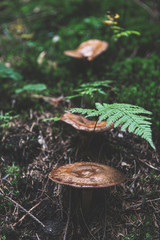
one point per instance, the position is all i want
(138, 82)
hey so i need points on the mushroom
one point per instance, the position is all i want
(88, 49)
(81, 123)
(86, 175)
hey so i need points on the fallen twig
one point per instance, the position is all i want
(37, 236)
(142, 203)
(68, 219)
(149, 165)
(86, 224)
(105, 221)
(153, 200)
(153, 12)
(31, 215)
(26, 214)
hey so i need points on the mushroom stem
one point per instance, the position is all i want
(86, 200)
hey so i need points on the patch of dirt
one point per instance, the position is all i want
(129, 209)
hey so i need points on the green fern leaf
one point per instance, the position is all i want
(91, 88)
(126, 115)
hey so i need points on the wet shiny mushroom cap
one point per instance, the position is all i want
(86, 175)
(88, 49)
(84, 124)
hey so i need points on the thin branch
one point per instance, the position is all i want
(105, 217)
(68, 219)
(149, 165)
(86, 224)
(142, 202)
(31, 215)
(153, 200)
(37, 236)
(26, 214)
(153, 13)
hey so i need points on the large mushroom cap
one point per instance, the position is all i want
(86, 175)
(88, 49)
(84, 124)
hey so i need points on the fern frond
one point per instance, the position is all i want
(91, 88)
(128, 116)
(105, 83)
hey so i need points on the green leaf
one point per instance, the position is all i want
(90, 88)
(32, 88)
(128, 116)
(126, 33)
(55, 119)
(8, 72)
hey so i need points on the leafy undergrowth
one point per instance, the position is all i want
(31, 149)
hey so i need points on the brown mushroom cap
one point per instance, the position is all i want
(84, 124)
(88, 49)
(86, 175)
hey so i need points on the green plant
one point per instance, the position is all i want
(8, 72)
(139, 83)
(3, 237)
(90, 89)
(54, 119)
(131, 236)
(12, 170)
(32, 88)
(89, 92)
(128, 116)
(9, 80)
(118, 31)
(10, 184)
(6, 119)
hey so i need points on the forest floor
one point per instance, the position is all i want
(126, 211)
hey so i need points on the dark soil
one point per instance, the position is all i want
(128, 211)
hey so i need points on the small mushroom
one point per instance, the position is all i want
(88, 49)
(86, 175)
(83, 124)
